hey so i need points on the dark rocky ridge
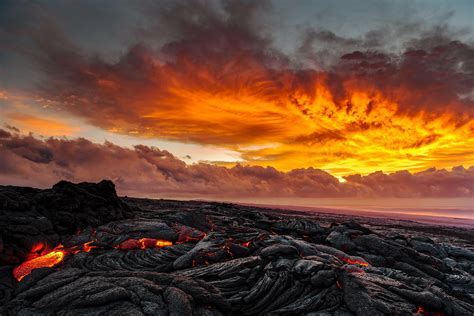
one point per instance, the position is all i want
(226, 259)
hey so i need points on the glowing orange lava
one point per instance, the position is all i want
(40, 258)
(354, 261)
(37, 247)
(48, 260)
(143, 243)
(163, 243)
(87, 247)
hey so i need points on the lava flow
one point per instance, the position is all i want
(354, 261)
(48, 260)
(38, 258)
(143, 243)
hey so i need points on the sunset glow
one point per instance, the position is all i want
(220, 91)
(282, 118)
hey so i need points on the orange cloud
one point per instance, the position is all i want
(294, 120)
(220, 82)
(3, 95)
(42, 126)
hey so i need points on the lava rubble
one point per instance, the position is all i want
(80, 249)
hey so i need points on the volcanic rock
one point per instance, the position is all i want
(201, 258)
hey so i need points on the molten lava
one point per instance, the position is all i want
(48, 260)
(40, 258)
(354, 261)
(163, 243)
(38, 247)
(143, 243)
(87, 247)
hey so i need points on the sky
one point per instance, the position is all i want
(240, 98)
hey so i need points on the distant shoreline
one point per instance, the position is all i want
(447, 212)
(425, 219)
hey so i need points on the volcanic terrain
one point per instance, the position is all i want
(80, 249)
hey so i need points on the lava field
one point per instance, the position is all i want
(80, 249)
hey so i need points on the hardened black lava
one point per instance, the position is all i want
(80, 249)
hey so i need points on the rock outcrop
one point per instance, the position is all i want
(31, 217)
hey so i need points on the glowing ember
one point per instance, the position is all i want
(87, 246)
(37, 247)
(48, 260)
(37, 250)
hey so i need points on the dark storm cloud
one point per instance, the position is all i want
(425, 77)
(143, 170)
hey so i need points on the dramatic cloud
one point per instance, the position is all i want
(215, 77)
(148, 171)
